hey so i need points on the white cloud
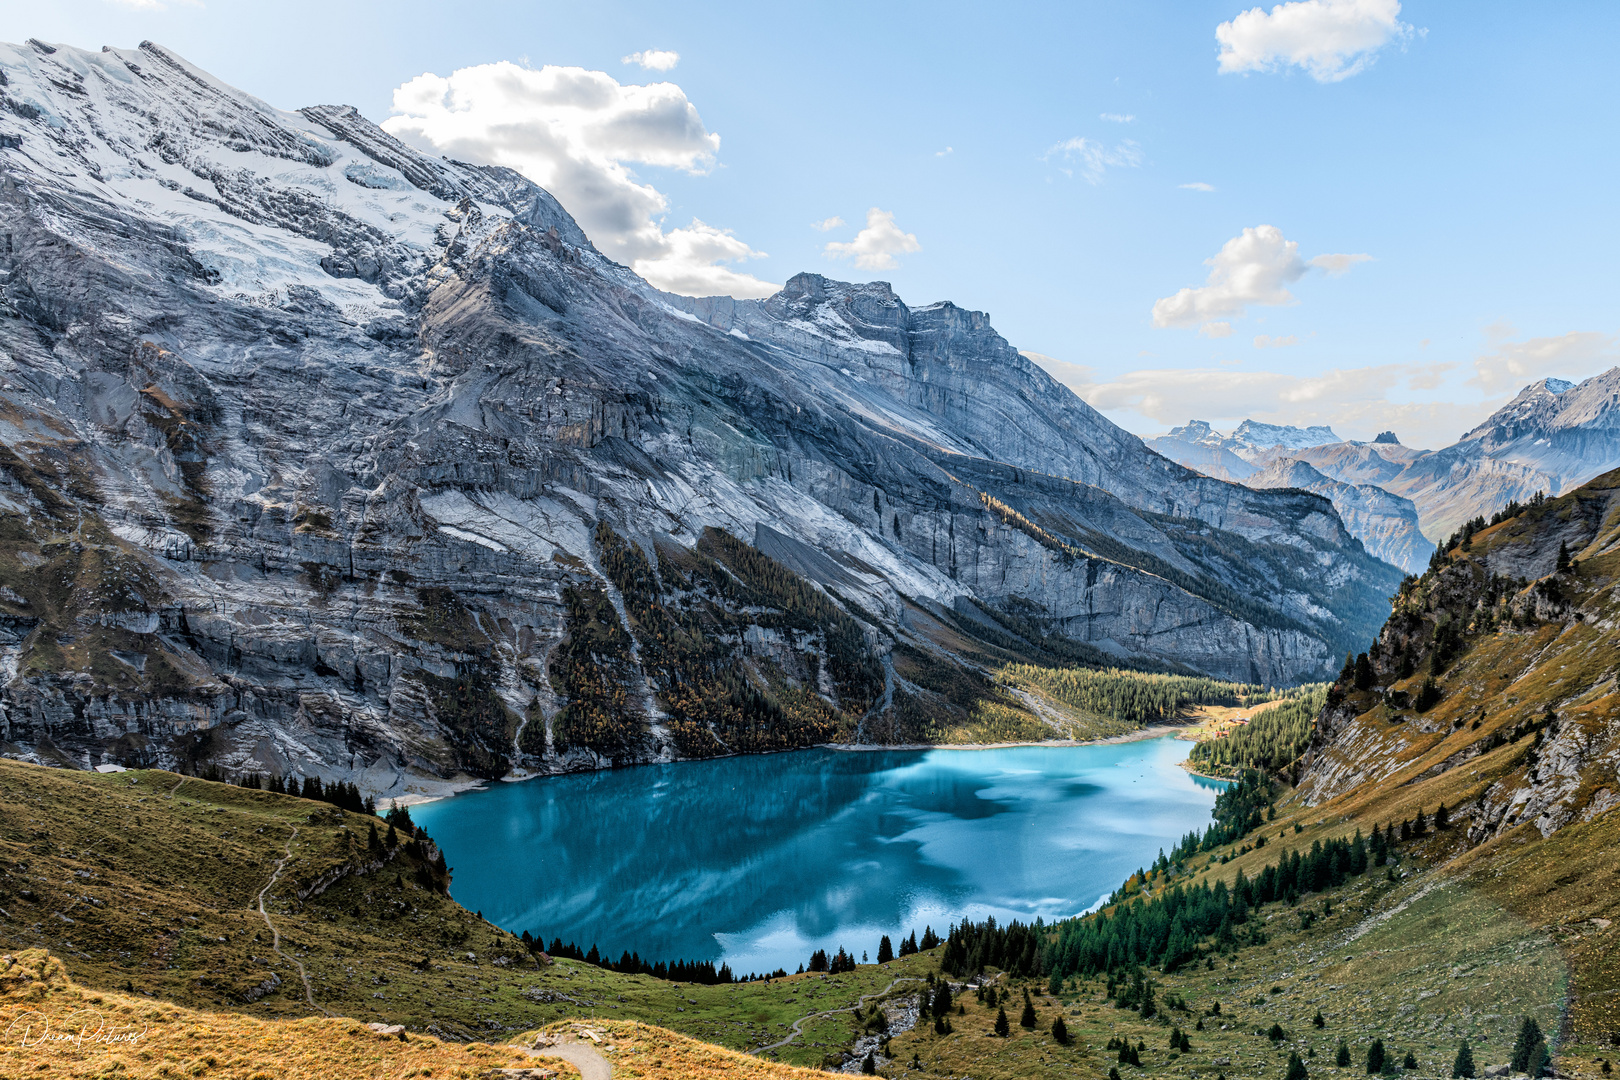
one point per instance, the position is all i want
(1117, 118)
(875, 246)
(1266, 341)
(654, 59)
(691, 264)
(827, 223)
(576, 133)
(1092, 158)
(1335, 265)
(1198, 185)
(944, 152)
(1215, 330)
(1330, 39)
(1514, 364)
(1252, 268)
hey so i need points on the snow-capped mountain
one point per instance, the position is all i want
(1553, 437)
(316, 453)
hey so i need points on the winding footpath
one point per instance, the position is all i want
(797, 1026)
(275, 935)
(582, 1056)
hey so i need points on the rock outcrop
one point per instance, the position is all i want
(314, 451)
(1386, 524)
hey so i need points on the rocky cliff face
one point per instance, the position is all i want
(1387, 524)
(1494, 682)
(321, 456)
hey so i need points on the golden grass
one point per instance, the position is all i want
(50, 1026)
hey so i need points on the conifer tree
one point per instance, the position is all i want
(1341, 1057)
(1523, 1047)
(1442, 818)
(1363, 674)
(1296, 1068)
(1409, 1062)
(1060, 1032)
(1318, 1020)
(1003, 1029)
(885, 950)
(942, 998)
(1563, 558)
(1276, 1034)
(1113, 1072)
(1463, 1067)
(1027, 1017)
(393, 838)
(1375, 1057)
(373, 841)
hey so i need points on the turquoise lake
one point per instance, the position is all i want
(758, 861)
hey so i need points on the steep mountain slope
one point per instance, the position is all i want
(316, 449)
(1386, 524)
(1493, 690)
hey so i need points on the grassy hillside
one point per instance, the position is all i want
(145, 886)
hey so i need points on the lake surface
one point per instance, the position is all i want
(758, 861)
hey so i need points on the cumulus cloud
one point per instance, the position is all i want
(1198, 185)
(577, 133)
(1334, 265)
(1356, 402)
(1254, 267)
(945, 152)
(1510, 365)
(1215, 330)
(875, 247)
(1330, 39)
(654, 59)
(1266, 341)
(1116, 118)
(1091, 158)
(826, 224)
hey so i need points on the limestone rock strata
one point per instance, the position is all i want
(306, 440)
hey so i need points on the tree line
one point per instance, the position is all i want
(1134, 696)
(1179, 925)
(1272, 740)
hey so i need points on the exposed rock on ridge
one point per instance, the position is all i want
(307, 438)
(1386, 524)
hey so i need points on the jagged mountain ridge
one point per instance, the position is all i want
(1387, 524)
(319, 428)
(1270, 456)
(1553, 437)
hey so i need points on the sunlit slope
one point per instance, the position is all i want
(1521, 740)
(56, 1027)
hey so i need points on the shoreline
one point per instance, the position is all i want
(1151, 731)
(451, 787)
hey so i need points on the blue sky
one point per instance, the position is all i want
(1468, 150)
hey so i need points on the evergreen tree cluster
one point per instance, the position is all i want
(1133, 696)
(1271, 741)
(340, 794)
(1240, 808)
(1530, 1053)
(591, 669)
(689, 616)
(1181, 925)
(701, 972)
(836, 964)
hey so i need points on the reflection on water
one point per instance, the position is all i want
(760, 860)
